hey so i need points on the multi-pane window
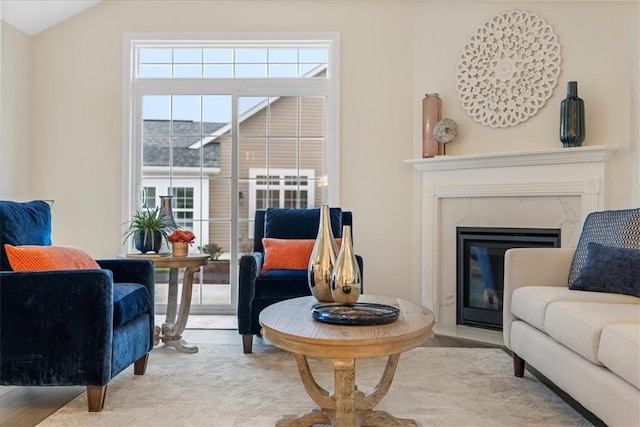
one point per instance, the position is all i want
(281, 188)
(149, 197)
(228, 62)
(229, 124)
(183, 206)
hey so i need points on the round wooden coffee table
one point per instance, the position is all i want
(289, 325)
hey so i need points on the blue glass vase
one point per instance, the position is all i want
(572, 129)
(167, 212)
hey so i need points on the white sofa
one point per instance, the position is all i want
(586, 343)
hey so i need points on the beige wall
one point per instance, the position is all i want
(392, 52)
(599, 51)
(15, 136)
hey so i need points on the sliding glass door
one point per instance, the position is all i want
(226, 127)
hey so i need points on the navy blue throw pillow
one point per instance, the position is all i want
(27, 223)
(619, 228)
(299, 223)
(609, 269)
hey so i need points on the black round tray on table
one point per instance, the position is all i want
(358, 313)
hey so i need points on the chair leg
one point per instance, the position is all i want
(95, 397)
(247, 343)
(140, 365)
(518, 365)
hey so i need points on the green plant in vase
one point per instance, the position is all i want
(148, 228)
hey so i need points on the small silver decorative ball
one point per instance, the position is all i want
(445, 130)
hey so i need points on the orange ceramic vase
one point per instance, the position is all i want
(431, 115)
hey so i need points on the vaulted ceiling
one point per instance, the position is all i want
(33, 16)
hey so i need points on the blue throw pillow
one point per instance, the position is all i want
(26, 223)
(609, 269)
(619, 228)
(282, 223)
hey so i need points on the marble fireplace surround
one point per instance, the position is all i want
(553, 188)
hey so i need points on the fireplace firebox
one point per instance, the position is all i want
(480, 269)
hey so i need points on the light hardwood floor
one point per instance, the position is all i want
(28, 406)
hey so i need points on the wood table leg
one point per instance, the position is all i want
(348, 406)
(382, 388)
(171, 333)
(172, 304)
(172, 297)
(312, 418)
(382, 418)
(317, 393)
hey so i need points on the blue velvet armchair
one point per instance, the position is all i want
(258, 290)
(70, 327)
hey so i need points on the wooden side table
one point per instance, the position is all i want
(171, 331)
(289, 325)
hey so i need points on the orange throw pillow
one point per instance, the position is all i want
(41, 258)
(287, 254)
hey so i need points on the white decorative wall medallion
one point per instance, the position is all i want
(508, 69)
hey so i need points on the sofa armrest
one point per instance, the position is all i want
(142, 271)
(131, 271)
(532, 267)
(249, 270)
(57, 327)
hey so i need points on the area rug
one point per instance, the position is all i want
(221, 386)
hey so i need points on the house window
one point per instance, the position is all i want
(149, 197)
(227, 124)
(281, 189)
(183, 205)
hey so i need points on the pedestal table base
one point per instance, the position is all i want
(348, 406)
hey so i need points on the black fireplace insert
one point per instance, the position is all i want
(480, 269)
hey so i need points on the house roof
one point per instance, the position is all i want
(320, 70)
(227, 126)
(157, 137)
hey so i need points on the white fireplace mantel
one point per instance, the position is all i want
(600, 153)
(552, 188)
